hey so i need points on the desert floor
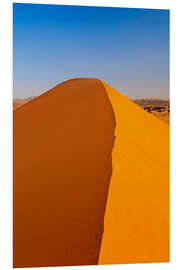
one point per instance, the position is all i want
(159, 108)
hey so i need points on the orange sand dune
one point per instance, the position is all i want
(62, 167)
(65, 156)
(136, 225)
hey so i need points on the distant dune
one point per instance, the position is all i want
(91, 179)
(151, 102)
(19, 102)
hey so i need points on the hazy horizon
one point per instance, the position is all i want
(127, 48)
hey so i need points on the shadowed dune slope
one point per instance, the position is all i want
(62, 144)
(136, 225)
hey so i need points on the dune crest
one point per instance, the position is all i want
(136, 225)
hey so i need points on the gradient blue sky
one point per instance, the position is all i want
(126, 48)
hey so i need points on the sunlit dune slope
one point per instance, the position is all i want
(136, 225)
(62, 144)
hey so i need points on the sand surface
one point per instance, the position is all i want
(136, 225)
(63, 143)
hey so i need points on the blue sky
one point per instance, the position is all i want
(126, 48)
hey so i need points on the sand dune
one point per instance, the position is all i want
(62, 168)
(65, 157)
